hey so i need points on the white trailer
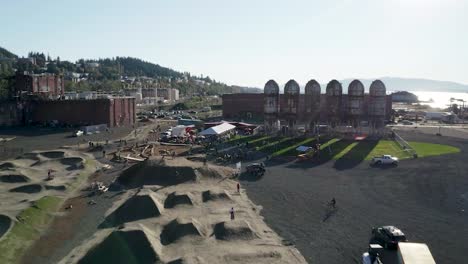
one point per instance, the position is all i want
(414, 253)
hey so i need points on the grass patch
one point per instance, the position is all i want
(259, 139)
(429, 149)
(366, 150)
(237, 139)
(23, 234)
(291, 150)
(280, 145)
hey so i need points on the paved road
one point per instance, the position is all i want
(424, 197)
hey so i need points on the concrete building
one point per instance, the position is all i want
(334, 91)
(312, 103)
(45, 85)
(170, 94)
(377, 109)
(291, 109)
(271, 105)
(355, 105)
(333, 108)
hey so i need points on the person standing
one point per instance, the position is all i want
(238, 187)
(231, 212)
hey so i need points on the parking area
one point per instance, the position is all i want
(427, 198)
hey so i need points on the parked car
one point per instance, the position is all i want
(406, 122)
(256, 168)
(387, 236)
(384, 159)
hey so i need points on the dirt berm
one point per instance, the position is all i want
(124, 247)
(141, 206)
(151, 172)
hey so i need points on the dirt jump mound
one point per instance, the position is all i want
(215, 196)
(140, 206)
(123, 247)
(53, 154)
(31, 188)
(175, 230)
(151, 173)
(174, 199)
(7, 166)
(14, 178)
(234, 230)
(5, 224)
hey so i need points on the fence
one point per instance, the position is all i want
(404, 144)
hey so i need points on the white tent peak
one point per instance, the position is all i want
(218, 130)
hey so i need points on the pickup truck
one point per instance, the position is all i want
(384, 159)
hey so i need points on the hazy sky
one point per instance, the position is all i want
(247, 42)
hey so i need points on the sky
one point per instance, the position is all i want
(248, 42)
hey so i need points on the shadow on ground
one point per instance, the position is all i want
(356, 155)
(324, 156)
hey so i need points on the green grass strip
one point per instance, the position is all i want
(291, 149)
(24, 232)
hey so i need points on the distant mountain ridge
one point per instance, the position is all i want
(394, 84)
(410, 84)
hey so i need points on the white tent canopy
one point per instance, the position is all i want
(218, 130)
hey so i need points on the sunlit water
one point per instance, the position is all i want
(441, 99)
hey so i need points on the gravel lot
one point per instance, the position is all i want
(29, 139)
(427, 198)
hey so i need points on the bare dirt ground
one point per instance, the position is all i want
(183, 219)
(427, 198)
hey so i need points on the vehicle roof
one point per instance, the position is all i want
(415, 253)
(393, 230)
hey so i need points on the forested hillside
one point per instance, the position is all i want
(111, 74)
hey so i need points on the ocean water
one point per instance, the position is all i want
(441, 99)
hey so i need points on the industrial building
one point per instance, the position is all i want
(40, 99)
(44, 85)
(116, 111)
(333, 108)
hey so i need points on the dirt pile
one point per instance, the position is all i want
(5, 224)
(234, 230)
(215, 196)
(14, 178)
(174, 199)
(153, 173)
(123, 247)
(140, 206)
(30, 188)
(176, 229)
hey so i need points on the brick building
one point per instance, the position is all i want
(244, 105)
(117, 111)
(45, 85)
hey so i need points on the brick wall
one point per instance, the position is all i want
(113, 112)
(238, 105)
